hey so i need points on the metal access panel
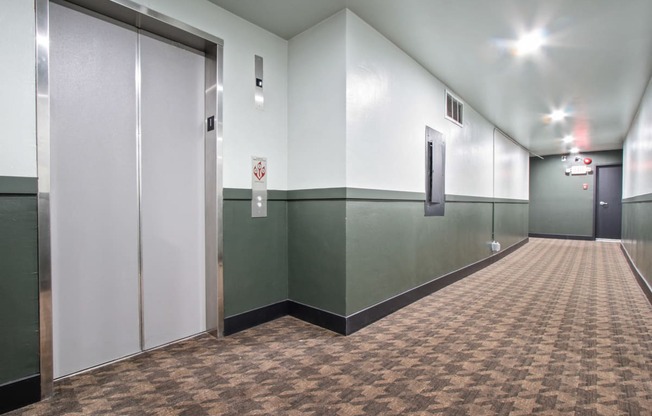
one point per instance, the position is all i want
(435, 173)
(259, 98)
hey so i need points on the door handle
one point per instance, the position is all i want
(604, 204)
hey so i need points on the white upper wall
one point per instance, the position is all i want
(17, 94)
(317, 106)
(512, 169)
(359, 106)
(390, 100)
(469, 164)
(247, 131)
(637, 151)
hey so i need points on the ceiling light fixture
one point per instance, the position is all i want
(568, 138)
(575, 150)
(557, 115)
(529, 43)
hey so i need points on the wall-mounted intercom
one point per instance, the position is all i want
(435, 173)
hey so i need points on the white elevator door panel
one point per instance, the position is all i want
(94, 199)
(172, 205)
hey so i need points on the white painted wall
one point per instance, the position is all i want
(637, 151)
(512, 169)
(317, 106)
(17, 108)
(359, 105)
(468, 165)
(247, 131)
(390, 100)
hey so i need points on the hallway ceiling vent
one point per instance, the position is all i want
(454, 109)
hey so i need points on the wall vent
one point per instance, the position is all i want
(454, 109)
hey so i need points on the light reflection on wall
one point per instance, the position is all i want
(366, 88)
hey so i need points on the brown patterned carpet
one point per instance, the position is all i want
(560, 327)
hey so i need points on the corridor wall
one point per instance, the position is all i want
(559, 207)
(374, 242)
(637, 190)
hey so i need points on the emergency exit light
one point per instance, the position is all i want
(579, 170)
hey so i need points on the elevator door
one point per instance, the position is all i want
(126, 190)
(94, 205)
(172, 191)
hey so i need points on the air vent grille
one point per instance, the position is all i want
(454, 109)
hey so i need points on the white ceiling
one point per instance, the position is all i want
(596, 62)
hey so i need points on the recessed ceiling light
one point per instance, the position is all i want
(529, 43)
(575, 150)
(557, 115)
(568, 138)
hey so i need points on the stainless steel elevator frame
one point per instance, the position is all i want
(143, 18)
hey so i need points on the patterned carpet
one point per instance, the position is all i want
(559, 327)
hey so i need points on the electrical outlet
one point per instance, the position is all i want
(495, 246)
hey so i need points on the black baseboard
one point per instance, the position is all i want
(16, 394)
(639, 278)
(348, 325)
(562, 236)
(368, 316)
(324, 319)
(258, 316)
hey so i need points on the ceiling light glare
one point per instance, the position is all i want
(557, 116)
(568, 138)
(575, 150)
(529, 43)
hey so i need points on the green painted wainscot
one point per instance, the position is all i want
(19, 308)
(559, 206)
(329, 256)
(637, 235)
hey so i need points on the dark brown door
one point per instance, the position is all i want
(608, 207)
